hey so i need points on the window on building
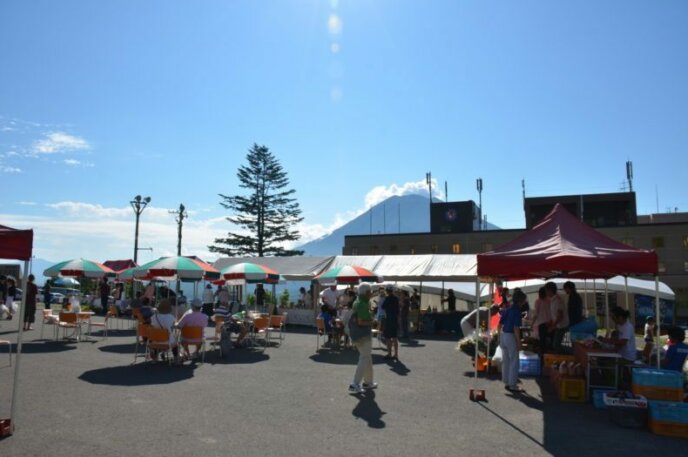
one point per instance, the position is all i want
(373, 250)
(413, 250)
(685, 267)
(685, 241)
(354, 251)
(433, 248)
(658, 242)
(487, 247)
(628, 242)
(393, 249)
(661, 267)
(456, 248)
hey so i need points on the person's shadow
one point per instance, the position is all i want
(368, 410)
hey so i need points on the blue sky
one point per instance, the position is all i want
(100, 101)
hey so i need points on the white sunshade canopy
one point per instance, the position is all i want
(615, 284)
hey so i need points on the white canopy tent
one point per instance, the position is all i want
(615, 284)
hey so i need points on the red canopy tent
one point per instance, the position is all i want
(16, 244)
(561, 245)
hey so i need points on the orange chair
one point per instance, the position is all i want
(217, 336)
(102, 325)
(260, 325)
(277, 324)
(69, 321)
(141, 338)
(322, 331)
(193, 335)
(113, 313)
(49, 319)
(159, 340)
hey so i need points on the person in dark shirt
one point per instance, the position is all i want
(450, 300)
(575, 304)
(391, 307)
(260, 296)
(404, 314)
(30, 310)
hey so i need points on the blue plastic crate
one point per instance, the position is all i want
(598, 398)
(529, 366)
(667, 411)
(657, 378)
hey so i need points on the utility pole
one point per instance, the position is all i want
(629, 175)
(181, 214)
(479, 186)
(138, 204)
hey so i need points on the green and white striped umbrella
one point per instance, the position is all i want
(80, 268)
(251, 273)
(180, 267)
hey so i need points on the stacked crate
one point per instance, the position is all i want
(656, 384)
(669, 418)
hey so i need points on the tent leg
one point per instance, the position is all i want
(658, 318)
(585, 295)
(15, 383)
(594, 297)
(606, 304)
(628, 306)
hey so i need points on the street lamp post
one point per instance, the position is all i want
(138, 204)
(180, 214)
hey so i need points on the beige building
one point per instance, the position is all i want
(667, 234)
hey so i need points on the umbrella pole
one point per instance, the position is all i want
(628, 306)
(658, 319)
(594, 297)
(585, 295)
(13, 407)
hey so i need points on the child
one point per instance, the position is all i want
(649, 338)
(677, 351)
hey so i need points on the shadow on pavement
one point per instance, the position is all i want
(514, 427)
(343, 358)
(411, 344)
(368, 410)
(237, 357)
(398, 367)
(142, 374)
(46, 347)
(119, 348)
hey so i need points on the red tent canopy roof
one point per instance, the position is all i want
(561, 245)
(119, 265)
(15, 244)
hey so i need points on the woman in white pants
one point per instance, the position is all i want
(510, 340)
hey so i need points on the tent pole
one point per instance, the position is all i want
(13, 404)
(594, 297)
(585, 295)
(476, 334)
(442, 304)
(606, 304)
(628, 306)
(658, 318)
(420, 298)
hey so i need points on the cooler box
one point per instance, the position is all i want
(669, 418)
(598, 397)
(528, 364)
(626, 409)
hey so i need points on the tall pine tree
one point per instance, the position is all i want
(269, 212)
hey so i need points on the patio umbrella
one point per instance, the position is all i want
(250, 273)
(181, 267)
(349, 274)
(65, 282)
(80, 268)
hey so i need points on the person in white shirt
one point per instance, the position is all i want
(541, 316)
(329, 296)
(559, 314)
(165, 319)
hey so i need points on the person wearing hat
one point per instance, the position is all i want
(195, 318)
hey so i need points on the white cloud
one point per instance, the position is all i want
(72, 162)
(25, 203)
(57, 142)
(8, 169)
(381, 193)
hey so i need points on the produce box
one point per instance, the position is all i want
(669, 429)
(655, 377)
(624, 399)
(571, 389)
(667, 411)
(659, 393)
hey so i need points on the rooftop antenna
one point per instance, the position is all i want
(523, 191)
(428, 180)
(629, 175)
(479, 186)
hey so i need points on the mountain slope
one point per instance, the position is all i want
(398, 214)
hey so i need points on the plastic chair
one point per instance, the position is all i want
(113, 313)
(69, 321)
(141, 337)
(102, 325)
(9, 348)
(159, 340)
(193, 335)
(322, 331)
(217, 336)
(49, 319)
(260, 325)
(277, 324)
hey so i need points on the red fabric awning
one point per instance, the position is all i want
(119, 265)
(561, 245)
(15, 244)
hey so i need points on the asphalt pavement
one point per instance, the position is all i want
(88, 399)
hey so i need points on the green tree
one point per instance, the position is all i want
(268, 213)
